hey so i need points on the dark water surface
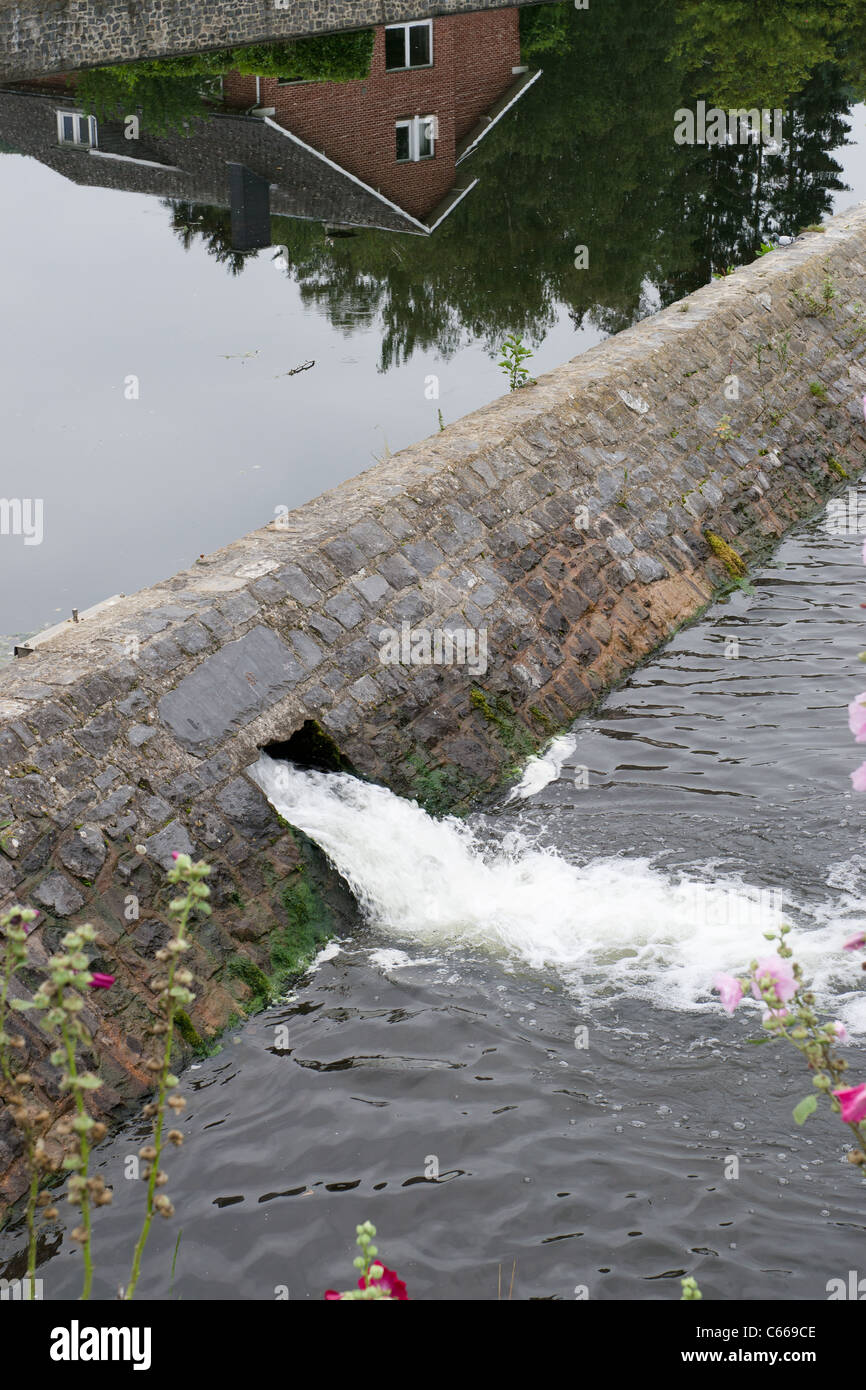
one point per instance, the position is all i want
(601, 1166)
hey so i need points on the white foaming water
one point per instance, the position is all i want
(614, 927)
(541, 771)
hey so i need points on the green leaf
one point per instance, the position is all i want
(806, 1107)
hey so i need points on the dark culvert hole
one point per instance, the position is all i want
(310, 747)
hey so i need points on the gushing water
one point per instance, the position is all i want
(616, 927)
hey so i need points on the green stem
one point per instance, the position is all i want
(85, 1159)
(828, 1062)
(31, 1226)
(160, 1109)
(4, 993)
(858, 1135)
(8, 1076)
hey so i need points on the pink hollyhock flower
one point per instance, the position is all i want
(856, 942)
(857, 718)
(730, 989)
(780, 973)
(858, 778)
(331, 1294)
(841, 1031)
(853, 1102)
(389, 1281)
(98, 981)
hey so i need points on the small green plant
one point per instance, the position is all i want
(818, 389)
(817, 305)
(386, 452)
(375, 1280)
(764, 249)
(514, 354)
(173, 995)
(31, 1121)
(778, 982)
(782, 349)
(61, 998)
(723, 432)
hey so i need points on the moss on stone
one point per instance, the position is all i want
(308, 927)
(184, 1025)
(500, 713)
(261, 988)
(292, 945)
(541, 718)
(437, 787)
(733, 563)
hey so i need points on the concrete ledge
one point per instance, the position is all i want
(571, 523)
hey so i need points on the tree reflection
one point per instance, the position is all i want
(588, 158)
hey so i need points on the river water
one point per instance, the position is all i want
(516, 1054)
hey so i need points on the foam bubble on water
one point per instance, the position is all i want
(393, 959)
(541, 771)
(616, 926)
(327, 953)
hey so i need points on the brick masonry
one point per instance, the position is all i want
(354, 122)
(569, 521)
(43, 36)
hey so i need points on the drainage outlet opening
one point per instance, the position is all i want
(310, 747)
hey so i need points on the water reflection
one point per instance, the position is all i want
(420, 188)
(386, 149)
(425, 111)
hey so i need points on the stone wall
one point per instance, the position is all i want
(574, 524)
(43, 36)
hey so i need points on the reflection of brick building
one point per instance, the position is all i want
(463, 71)
(381, 152)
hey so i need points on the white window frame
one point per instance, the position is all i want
(92, 140)
(413, 124)
(412, 24)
